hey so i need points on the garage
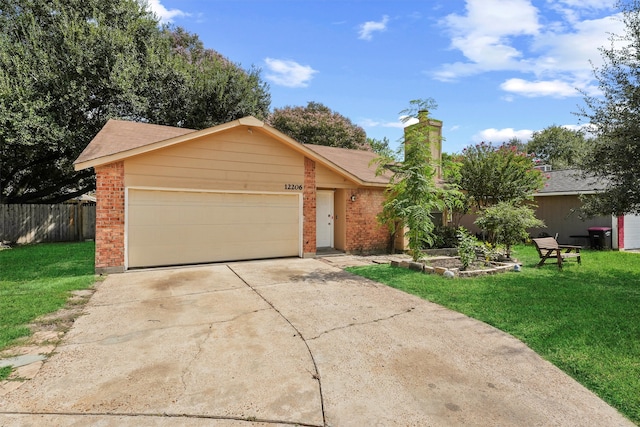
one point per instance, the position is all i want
(236, 191)
(190, 227)
(632, 232)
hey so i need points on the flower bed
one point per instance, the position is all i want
(443, 264)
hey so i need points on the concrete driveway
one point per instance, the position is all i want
(289, 342)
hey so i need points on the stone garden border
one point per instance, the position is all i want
(495, 268)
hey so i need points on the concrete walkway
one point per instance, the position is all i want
(288, 342)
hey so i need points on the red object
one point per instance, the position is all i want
(621, 232)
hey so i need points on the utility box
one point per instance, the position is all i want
(600, 237)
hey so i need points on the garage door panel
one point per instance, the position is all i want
(167, 228)
(632, 232)
(226, 215)
(148, 236)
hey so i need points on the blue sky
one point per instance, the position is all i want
(497, 68)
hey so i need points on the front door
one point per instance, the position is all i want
(324, 219)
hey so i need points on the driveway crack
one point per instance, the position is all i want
(135, 334)
(151, 415)
(187, 369)
(381, 319)
(316, 373)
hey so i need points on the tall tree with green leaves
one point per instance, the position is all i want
(64, 68)
(213, 89)
(412, 196)
(67, 66)
(491, 174)
(318, 124)
(614, 117)
(558, 146)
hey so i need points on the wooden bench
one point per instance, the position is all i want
(548, 248)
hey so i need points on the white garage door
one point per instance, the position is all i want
(177, 227)
(632, 232)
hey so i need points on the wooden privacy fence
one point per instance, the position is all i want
(65, 222)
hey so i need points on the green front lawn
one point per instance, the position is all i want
(38, 279)
(584, 319)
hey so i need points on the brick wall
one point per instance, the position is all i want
(309, 208)
(110, 218)
(363, 232)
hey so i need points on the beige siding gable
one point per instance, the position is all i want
(235, 160)
(326, 178)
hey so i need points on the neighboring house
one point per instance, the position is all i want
(558, 206)
(240, 190)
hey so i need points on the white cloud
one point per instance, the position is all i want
(165, 15)
(288, 73)
(496, 18)
(508, 36)
(552, 88)
(399, 124)
(371, 123)
(576, 127)
(368, 28)
(408, 121)
(498, 136)
(572, 50)
(484, 36)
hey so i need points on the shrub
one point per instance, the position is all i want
(507, 223)
(491, 252)
(444, 237)
(466, 248)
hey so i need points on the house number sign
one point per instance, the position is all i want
(293, 186)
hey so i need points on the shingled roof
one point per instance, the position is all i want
(120, 139)
(358, 162)
(119, 136)
(569, 182)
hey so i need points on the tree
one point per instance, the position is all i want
(318, 124)
(213, 90)
(412, 195)
(381, 147)
(517, 143)
(491, 174)
(559, 147)
(67, 66)
(615, 120)
(456, 201)
(52, 57)
(507, 223)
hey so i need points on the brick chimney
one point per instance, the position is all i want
(431, 131)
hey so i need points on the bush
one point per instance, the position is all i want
(444, 237)
(491, 252)
(466, 247)
(507, 223)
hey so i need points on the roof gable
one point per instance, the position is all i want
(120, 139)
(121, 136)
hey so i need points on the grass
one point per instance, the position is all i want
(584, 319)
(37, 280)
